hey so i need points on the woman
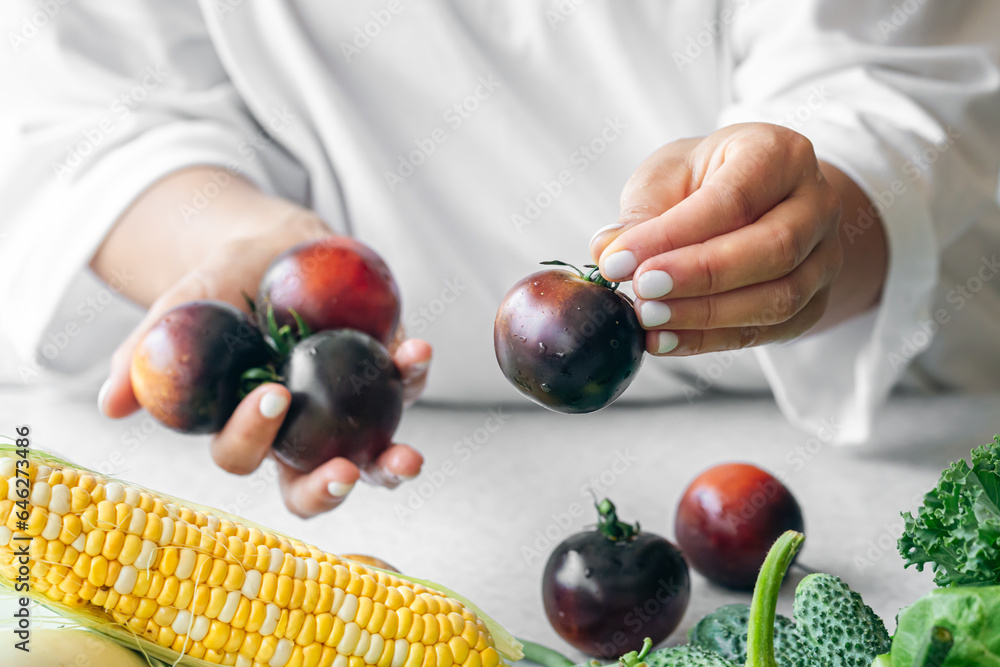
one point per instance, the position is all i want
(839, 188)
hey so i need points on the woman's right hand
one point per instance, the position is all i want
(232, 266)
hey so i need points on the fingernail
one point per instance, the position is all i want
(419, 367)
(339, 489)
(653, 284)
(273, 404)
(605, 228)
(666, 341)
(619, 265)
(406, 478)
(102, 395)
(654, 313)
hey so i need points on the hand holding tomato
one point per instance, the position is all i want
(731, 240)
(226, 273)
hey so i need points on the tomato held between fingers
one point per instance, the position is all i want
(607, 589)
(186, 369)
(567, 341)
(331, 283)
(347, 399)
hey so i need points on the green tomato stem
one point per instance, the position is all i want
(760, 638)
(593, 276)
(609, 525)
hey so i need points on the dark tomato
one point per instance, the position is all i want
(186, 370)
(605, 596)
(332, 283)
(728, 519)
(568, 344)
(347, 399)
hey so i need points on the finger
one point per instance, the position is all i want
(246, 439)
(312, 493)
(117, 399)
(413, 357)
(397, 464)
(766, 250)
(762, 304)
(756, 175)
(700, 341)
(660, 182)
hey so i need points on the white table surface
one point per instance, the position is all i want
(480, 519)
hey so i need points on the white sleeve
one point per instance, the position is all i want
(903, 98)
(101, 100)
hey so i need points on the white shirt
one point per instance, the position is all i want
(467, 141)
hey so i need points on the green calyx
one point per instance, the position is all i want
(636, 658)
(610, 526)
(592, 276)
(280, 341)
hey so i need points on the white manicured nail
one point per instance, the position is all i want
(339, 489)
(406, 478)
(619, 265)
(666, 341)
(653, 284)
(102, 395)
(654, 313)
(273, 405)
(418, 368)
(605, 228)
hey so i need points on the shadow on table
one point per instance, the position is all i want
(932, 431)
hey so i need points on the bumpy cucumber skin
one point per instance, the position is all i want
(686, 656)
(725, 632)
(835, 620)
(833, 628)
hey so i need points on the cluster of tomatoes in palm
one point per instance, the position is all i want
(322, 318)
(605, 590)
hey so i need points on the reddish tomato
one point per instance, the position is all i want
(186, 370)
(332, 283)
(728, 519)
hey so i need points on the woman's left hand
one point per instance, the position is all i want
(731, 240)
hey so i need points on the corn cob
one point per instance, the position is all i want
(185, 581)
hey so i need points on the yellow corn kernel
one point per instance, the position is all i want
(415, 657)
(283, 594)
(296, 623)
(234, 641)
(98, 571)
(217, 635)
(131, 548)
(113, 542)
(432, 629)
(310, 596)
(199, 603)
(217, 571)
(185, 594)
(147, 608)
(251, 644)
(242, 615)
(258, 616)
(364, 613)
